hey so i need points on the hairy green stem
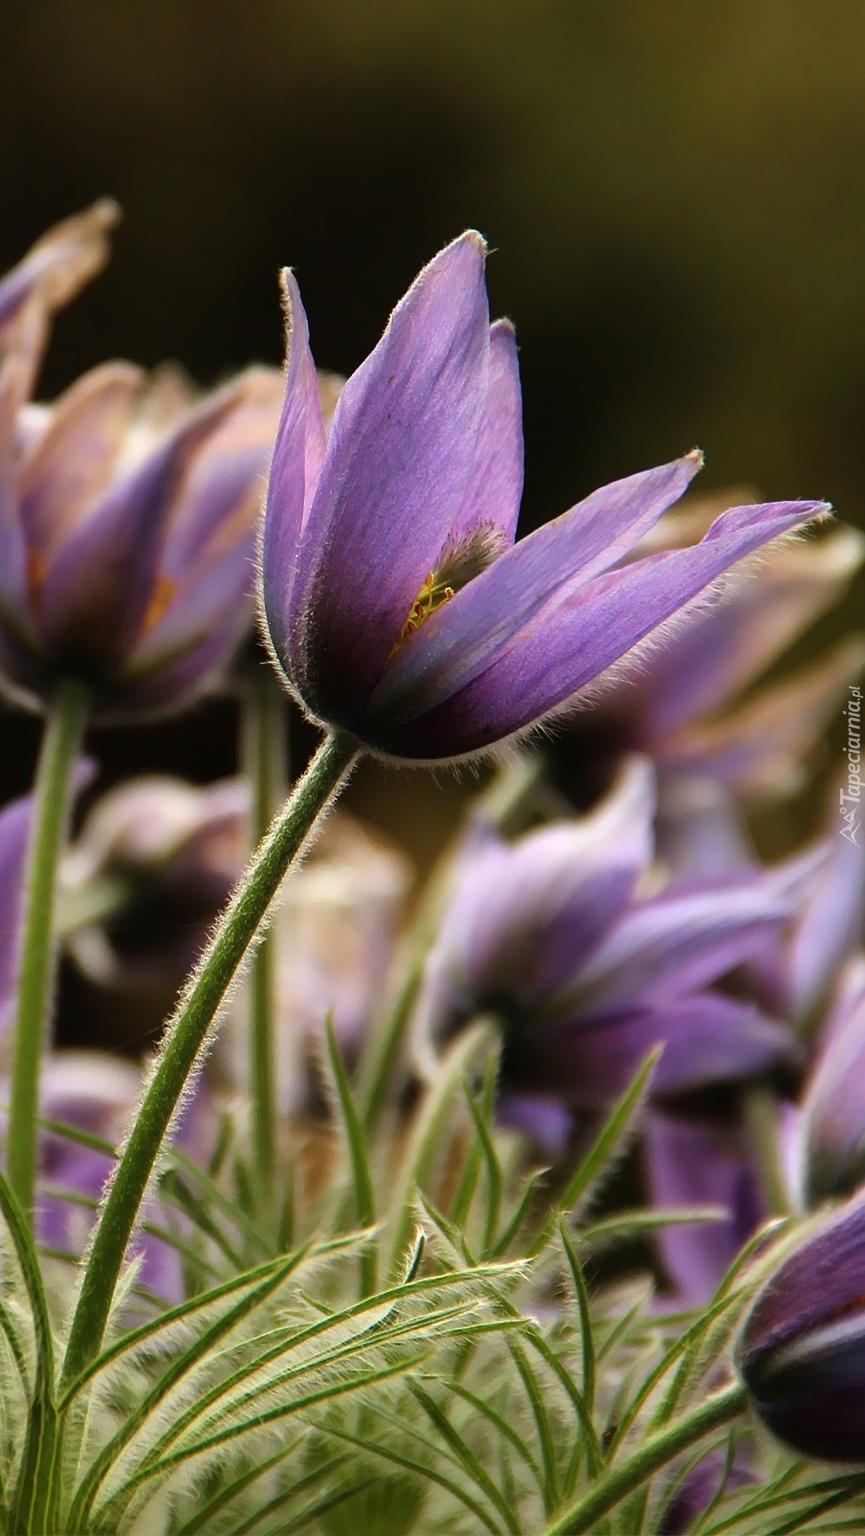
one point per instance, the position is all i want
(265, 755)
(185, 1036)
(655, 1452)
(38, 954)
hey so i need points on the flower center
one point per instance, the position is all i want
(460, 561)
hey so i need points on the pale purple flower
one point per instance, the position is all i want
(335, 933)
(127, 527)
(699, 703)
(51, 273)
(703, 1160)
(396, 603)
(172, 851)
(561, 938)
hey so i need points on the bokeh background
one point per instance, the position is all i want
(674, 192)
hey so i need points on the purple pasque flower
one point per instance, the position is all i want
(562, 938)
(699, 704)
(701, 834)
(802, 1349)
(396, 603)
(691, 1157)
(127, 526)
(701, 1159)
(832, 1116)
(171, 851)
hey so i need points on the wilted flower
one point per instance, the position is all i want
(394, 602)
(802, 1349)
(167, 853)
(553, 936)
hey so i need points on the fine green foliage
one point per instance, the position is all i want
(433, 1354)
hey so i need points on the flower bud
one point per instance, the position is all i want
(802, 1349)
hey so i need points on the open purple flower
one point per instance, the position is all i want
(586, 971)
(397, 605)
(127, 526)
(802, 1349)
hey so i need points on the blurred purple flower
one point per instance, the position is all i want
(559, 936)
(832, 1126)
(14, 832)
(698, 705)
(336, 927)
(172, 852)
(701, 835)
(97, 1094)
(394, 600)
(61, 262)
(708, 1157)
(692, 1161)
(802, 1348)
(127, 528)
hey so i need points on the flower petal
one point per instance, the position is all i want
(705, 1162)
(524, 915)
(221, 496)
(707, 1039)
(496, 484)
(396, 472)
(60, 263)
(503, 654)
(668, 946)
(728, 645)
(100, 584)
(294, 470)
(73, 459)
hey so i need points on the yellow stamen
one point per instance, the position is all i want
(432, 596)
(163, 592)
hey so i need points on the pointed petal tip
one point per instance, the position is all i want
(105, 213)
(504, 328)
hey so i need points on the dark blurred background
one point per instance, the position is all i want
(674, 193)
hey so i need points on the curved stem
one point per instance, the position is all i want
(185, 1036)
(266, 761)
(38, 954)
(655, 1452)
